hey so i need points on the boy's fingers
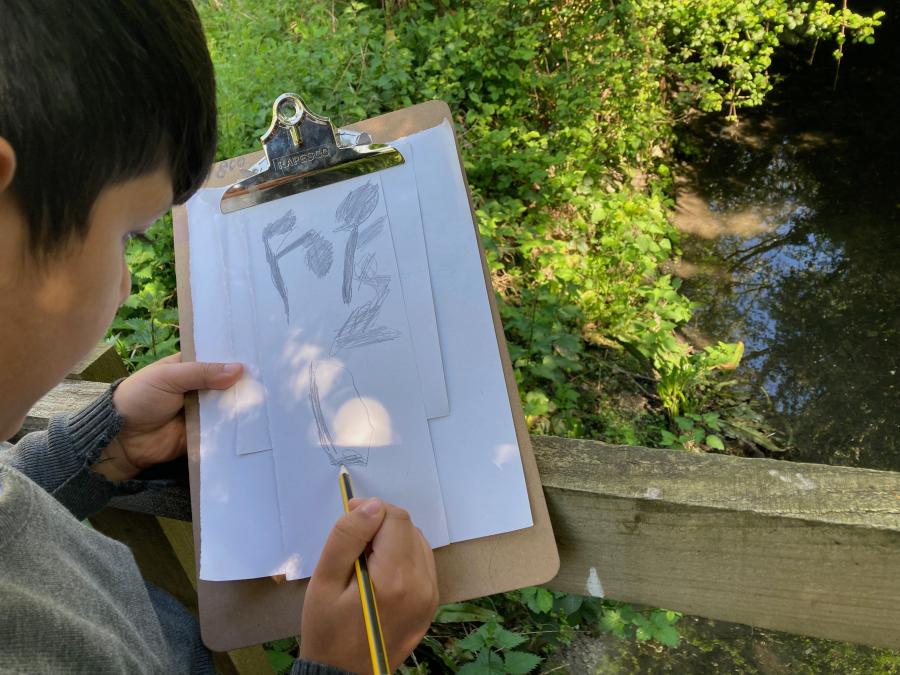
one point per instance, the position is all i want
(348, 539)
(396, 539)
(179, 378)
(430, 565)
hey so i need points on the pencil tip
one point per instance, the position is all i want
(344, 469)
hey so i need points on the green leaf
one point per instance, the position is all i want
(285, 645)
(714, 441)
(520, 663)
(569, 603)
(668, 636)
(459, 612)
(472, 642)
(281, 662)
(612, 621)
(684, 423)
(487, 663)
(539, 600)
(506, 639)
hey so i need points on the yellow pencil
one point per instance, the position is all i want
(377, 650)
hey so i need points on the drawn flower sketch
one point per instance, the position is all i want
(350, 444)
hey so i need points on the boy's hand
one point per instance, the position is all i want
(151, 403)
(401, 565)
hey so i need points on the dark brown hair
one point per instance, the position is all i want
(96, 92)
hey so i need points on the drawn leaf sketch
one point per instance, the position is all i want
(319, 252)
(359, 329)
(368, 233)
(351, 446)
(351, 213)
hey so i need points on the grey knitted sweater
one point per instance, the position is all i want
(71, 599)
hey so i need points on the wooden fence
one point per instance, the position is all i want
(802, 548)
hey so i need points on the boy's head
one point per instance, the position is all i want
(107, 116)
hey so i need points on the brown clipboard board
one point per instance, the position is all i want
(236, 614)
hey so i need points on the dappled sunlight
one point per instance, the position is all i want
(299, 358)
(250, 395)
(362, 422)
(504, 453)
(328, 373)
(297, 351)
(290, 568)
(348, 419)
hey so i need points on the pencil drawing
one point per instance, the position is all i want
(281, 226)
(351, 213)
(319, 252)
(369, 232)
(359, 329)
(338, 454)
(355, 426)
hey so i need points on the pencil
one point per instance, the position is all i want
(377, 650)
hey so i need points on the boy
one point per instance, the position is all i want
(107, 117)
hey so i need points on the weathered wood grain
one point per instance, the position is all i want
(803, 548)
(68, 396)
(103, 364)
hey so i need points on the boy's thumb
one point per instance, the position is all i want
(193, 375)
(348, 539)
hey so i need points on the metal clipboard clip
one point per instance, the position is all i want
(305, 151)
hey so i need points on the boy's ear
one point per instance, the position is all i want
(7, 164)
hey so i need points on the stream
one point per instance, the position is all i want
(792, 224)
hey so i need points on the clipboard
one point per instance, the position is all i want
(235, 614)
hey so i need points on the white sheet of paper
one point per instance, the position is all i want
(236, 492)
(415, 277)
(250, 392)
(477, 452)
(339, 344)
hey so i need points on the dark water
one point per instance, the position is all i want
(794, 217)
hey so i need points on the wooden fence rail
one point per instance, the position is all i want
(803, 548)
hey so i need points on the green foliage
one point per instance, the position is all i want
(655, 624)
(718, 52)
(281, 655)
(146, 326)
(478, 637)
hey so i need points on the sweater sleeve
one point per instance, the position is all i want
(60, 458)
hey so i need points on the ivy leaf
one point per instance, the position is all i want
(521, 663)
